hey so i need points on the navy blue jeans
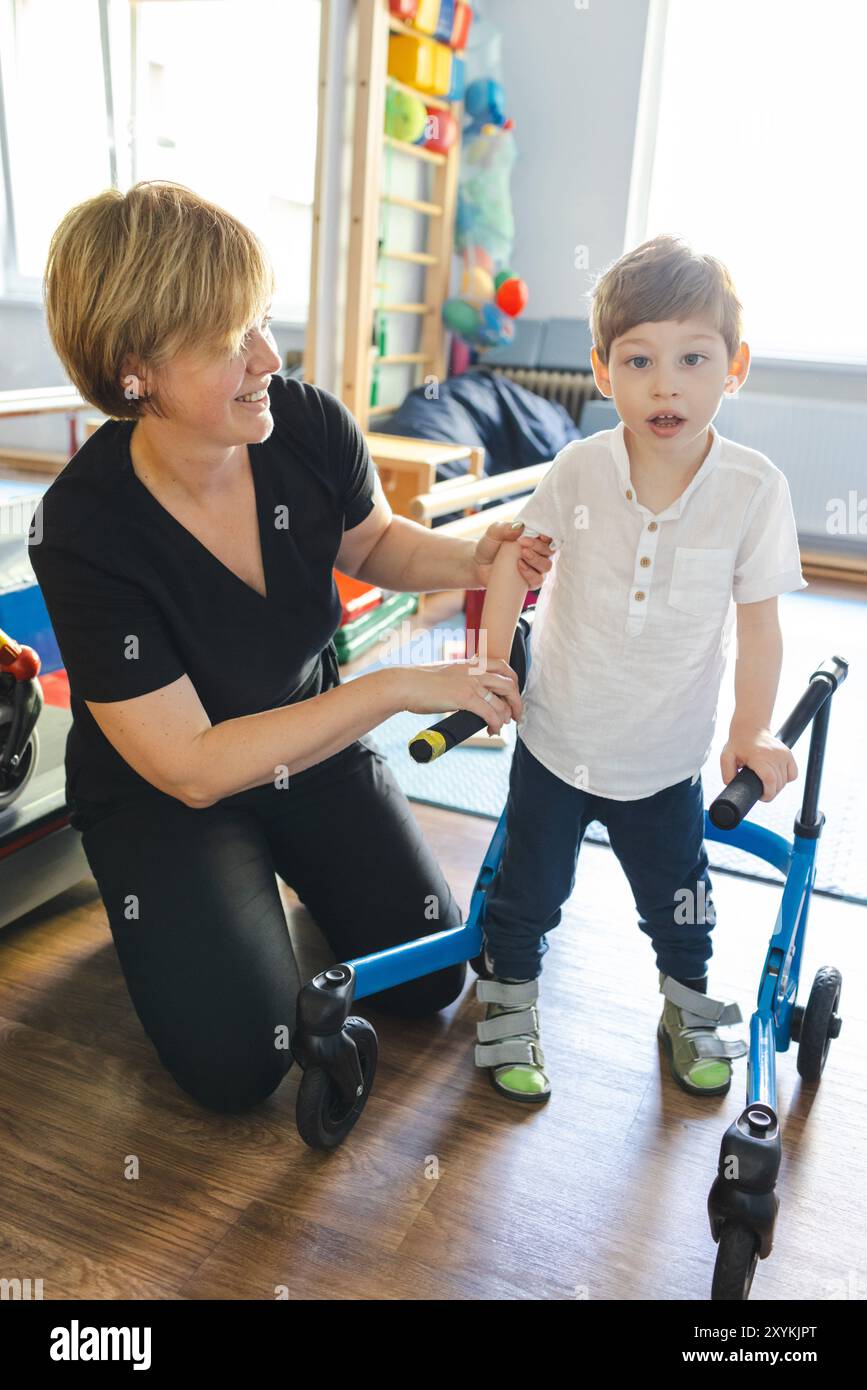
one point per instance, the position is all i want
(658, 840)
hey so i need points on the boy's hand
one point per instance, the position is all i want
(535, 554)
(759, 750)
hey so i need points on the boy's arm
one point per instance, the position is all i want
(504, 600)
(757, 676)
(759, 663)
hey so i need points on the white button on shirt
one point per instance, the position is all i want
(632, 629)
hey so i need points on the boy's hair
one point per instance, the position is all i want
(149, 273)
(663, 279)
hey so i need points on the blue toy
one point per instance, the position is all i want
(485, 102)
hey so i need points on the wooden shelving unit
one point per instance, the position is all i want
(369, 293)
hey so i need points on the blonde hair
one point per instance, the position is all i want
(663, 279)
(149, 273)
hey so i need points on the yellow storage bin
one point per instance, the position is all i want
(442, 80)
(420, 63)
(427, 16)
(411, 60)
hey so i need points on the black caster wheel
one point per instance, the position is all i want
(323, 1116)
(478, 965)
(736, 1260)
(13, 784)
(820, 1024)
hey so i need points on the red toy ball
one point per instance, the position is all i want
(443, 130)
(512, 296)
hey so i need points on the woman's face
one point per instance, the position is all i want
(201, 393)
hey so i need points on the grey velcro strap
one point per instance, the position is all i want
(508, 1025)
(699, 1008)
(707, 1044)
(496, 992)
(517, 1051)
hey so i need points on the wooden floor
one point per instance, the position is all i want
(444, 1190)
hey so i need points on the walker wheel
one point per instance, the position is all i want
(11, 788)
(736, 1260)
(820, 1024)
(321, 1112)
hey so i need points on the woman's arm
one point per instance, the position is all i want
(414, 559)
(396, 553)
(167, 737)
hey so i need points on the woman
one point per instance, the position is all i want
(185, 555)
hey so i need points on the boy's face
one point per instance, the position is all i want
(680, 368)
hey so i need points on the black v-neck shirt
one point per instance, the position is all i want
(135, 600)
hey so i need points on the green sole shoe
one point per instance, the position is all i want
(508, 1044)
(698, 1059)
(717, 1074)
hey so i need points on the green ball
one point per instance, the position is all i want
(503, 275)
(460, 317)
(405, 116)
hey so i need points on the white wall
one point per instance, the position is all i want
(571, 75)
(572, 78)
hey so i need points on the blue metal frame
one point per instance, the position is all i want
(770, 1025)
(427, 954)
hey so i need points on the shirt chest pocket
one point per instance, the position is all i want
(701, 581)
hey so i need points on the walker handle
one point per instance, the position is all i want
(734, 801)
(431, 743)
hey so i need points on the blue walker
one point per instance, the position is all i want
(338, 1050)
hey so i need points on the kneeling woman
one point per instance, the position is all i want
(185, 555)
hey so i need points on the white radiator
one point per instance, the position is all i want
(569, 389)
(821, 446)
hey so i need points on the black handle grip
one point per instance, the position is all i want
(432, 743)
(737, 799)
(734, 801)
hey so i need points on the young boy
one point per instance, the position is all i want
(657, 525)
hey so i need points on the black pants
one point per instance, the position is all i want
(200, 929)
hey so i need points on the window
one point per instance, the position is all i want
(750, 145)
(220, 95)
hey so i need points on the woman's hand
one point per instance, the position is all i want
(535, 559)
(452, 685)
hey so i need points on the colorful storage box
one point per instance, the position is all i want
(410, 60)
(356, 637)
(458, 87)
(427, 16)
(446, 21)
(356, 597)
(461, 27)
(420, 63)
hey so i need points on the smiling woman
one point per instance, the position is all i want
(186, 557)
(180, 275)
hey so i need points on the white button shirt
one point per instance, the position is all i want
(633, 622)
